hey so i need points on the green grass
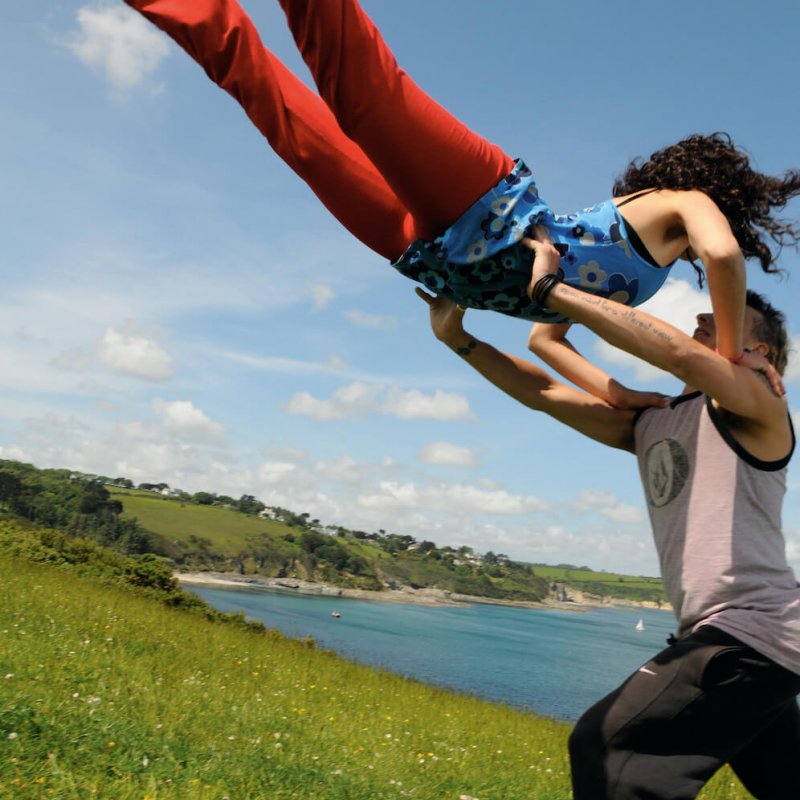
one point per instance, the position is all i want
(226, 529)
(578, 576)
(605, 583)
(106, 694)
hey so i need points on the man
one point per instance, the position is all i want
(713, 464)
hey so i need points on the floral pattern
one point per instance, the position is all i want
(479, 263)
(477, 251)
(591, 275)
(486, 270)
(494, 227)
(502, 302)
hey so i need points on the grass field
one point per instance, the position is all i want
(603, 582)
(226, 529)
(105, 694)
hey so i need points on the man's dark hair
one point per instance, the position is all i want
(770, 329)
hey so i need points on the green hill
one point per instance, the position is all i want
(210, 537)
(209, 532)
(223, 538)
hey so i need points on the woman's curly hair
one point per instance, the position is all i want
(714, 165)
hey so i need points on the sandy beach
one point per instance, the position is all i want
(406, 594)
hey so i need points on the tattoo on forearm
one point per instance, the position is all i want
(466, 351)
(631, 316)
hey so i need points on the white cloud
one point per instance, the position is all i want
(793, 367)
(457, 498)
(278, 364)
(119, 44)
(623, 513)
(73, 359)
(321, 295)
(347, 401)
(448, 454)
(377, 321)
(337, 364)
(286, 453)
(359, 399)
(593, 498)
(134, 354)
(184, 420)
(137, 450)
(413, 404)
(344, 470)
(609, 506)
(275, 471)
(600, 547)
(792, 537)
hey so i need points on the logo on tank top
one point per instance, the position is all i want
(666, 468)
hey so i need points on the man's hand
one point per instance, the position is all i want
(446, 317)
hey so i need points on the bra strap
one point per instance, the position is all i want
(635, 196)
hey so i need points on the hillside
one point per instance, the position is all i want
(206, 532)
(201, 537)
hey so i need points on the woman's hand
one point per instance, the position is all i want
(446, 317)
(626, 399)
(759, 363)
(545, 256)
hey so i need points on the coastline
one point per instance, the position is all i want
(579, 602)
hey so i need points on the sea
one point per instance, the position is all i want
(555, 663)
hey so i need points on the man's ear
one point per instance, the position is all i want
(761, 349)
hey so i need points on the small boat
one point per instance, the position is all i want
(640, 624)
(335, 614)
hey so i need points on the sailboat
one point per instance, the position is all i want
(640, 624)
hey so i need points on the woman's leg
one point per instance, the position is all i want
(435, 164)
(296, 122)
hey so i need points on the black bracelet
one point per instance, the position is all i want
(542, 288)
(466, 351)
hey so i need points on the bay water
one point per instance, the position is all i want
(552, 662)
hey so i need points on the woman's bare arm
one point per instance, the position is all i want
(549, 342)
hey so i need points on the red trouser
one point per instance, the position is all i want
(386, 160)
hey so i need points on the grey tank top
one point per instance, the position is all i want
(715, 511)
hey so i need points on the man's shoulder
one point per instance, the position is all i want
(764, 443)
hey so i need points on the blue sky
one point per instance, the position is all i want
(178, 307)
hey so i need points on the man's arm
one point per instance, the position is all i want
(528, 384)
(742, 391)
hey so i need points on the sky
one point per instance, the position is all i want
(177, 307)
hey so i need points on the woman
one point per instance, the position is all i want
(450, 209)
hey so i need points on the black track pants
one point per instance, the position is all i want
(705, 701)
